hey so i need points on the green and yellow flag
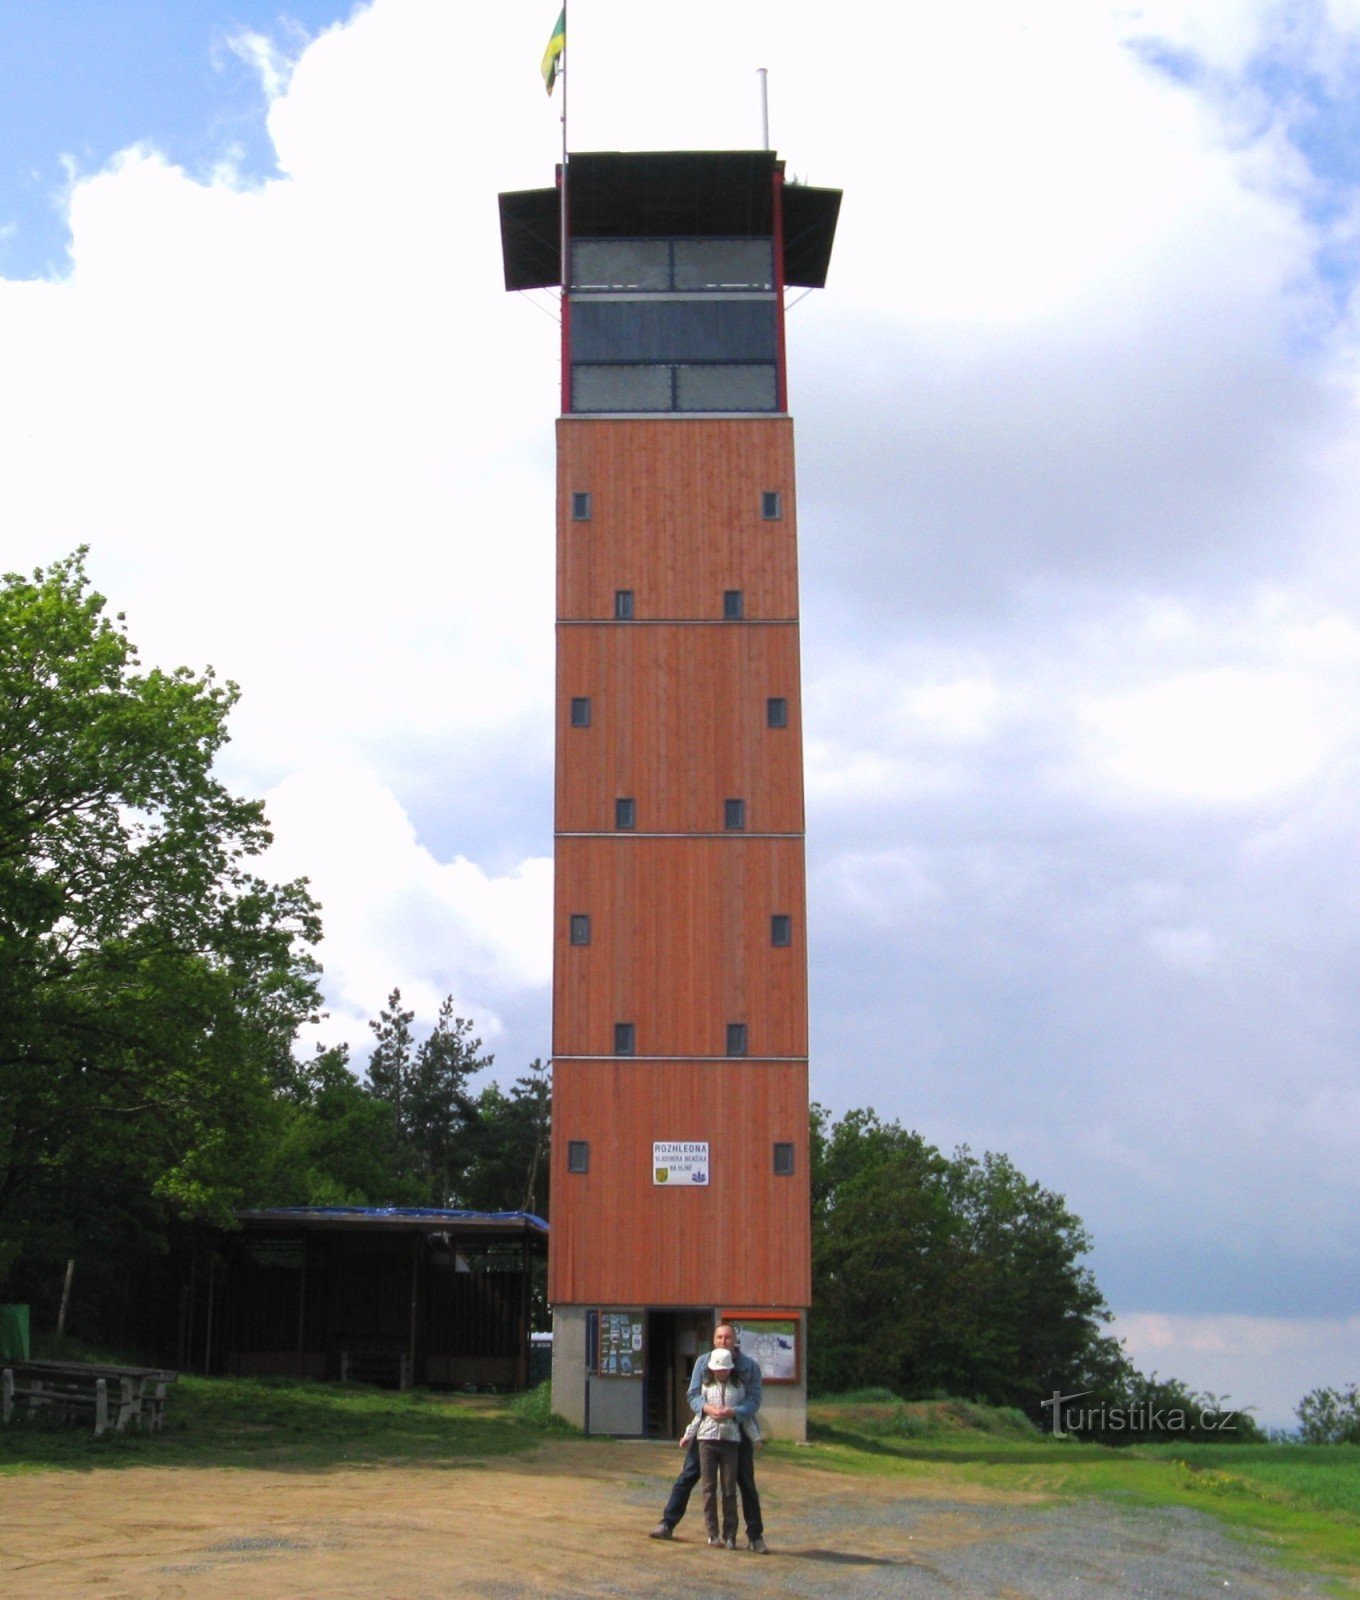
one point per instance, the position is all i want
(556, 45)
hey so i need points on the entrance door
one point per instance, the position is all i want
(675, 1339)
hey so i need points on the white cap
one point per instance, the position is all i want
(721, 1361)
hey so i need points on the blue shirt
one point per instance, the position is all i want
(747, 1373)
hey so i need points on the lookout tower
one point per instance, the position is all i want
(680, 1095)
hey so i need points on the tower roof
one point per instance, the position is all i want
(668, 194)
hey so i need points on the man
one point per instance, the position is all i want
(747, 1373)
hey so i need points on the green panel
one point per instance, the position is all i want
(14, 1344)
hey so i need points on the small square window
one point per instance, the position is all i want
(580, 507)
(734, 815)
(580, 711)
(732, 605)
(736, 1038)
(580, 928)
(625, 812)
(771, 505)
(623, 605)
(783, 1160)
(625, 1039)
(578, 1155)
(781, 929)
(776, 712)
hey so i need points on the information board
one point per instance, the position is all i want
(771, 1342)
(680, 1162)
(619, 1348)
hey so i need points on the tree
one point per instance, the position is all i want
(150, 983)
(1330, 1416)
(332, 1141)
(434, 1116)
(884, 1257)
(936, 1273)
(390, 1067)
(508, 1168)
(441, 1110)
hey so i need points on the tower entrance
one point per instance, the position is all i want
(675, 1340)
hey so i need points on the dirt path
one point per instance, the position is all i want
(571, 1522)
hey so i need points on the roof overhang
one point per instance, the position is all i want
(668, 194)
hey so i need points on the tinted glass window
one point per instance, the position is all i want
(672, 330)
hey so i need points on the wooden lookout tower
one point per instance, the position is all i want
(680, 1090)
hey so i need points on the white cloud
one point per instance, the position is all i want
(396, 916)
(1221, 736)
(1265, 1363)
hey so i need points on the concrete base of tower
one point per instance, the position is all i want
(625, 1370)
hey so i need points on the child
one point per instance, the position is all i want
(718, 1440)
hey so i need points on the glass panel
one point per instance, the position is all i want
(737, 388)
(621, 389)
(621, 264)
(673, 330)
(724, 264)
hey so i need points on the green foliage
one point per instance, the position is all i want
(333, 1142)
(483, 1151)
(1139, 1409)
(281, 1423)
(150, 984)
(1330, 1416)
(879, 1414)
(943, 1273)
(426, 1087)
(533, 1409)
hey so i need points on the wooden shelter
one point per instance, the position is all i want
(398, 1295)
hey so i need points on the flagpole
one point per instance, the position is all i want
(563, 244)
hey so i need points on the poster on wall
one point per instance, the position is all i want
(679, 1162)
(619, 1352)
(771, 1342)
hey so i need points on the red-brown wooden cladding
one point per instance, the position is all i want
(676, 516)
(679, 945)
(620, 1239)
(680, 908)
(678, 722)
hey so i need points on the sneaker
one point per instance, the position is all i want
(758, 1545)
(663, 1530)
(730, 1543)
(715, 1544)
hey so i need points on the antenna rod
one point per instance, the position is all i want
(763, 74)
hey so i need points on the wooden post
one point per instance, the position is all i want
(302, 1312)
(417, 1240)
(65, 1297)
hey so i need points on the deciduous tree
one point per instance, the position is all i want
(150, 982)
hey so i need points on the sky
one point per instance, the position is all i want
(1078, 417)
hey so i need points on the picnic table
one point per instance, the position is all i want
(114, 1395)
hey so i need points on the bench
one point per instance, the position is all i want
(68, 1390)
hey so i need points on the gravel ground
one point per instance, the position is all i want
(570, 1522)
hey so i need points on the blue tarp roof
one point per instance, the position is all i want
(415, 1214)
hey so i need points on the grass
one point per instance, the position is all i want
(285, 1424)
(1302, 1500)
